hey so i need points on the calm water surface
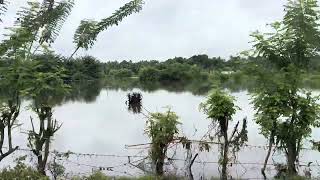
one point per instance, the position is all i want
(103, 125)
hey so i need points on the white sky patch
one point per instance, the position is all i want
(166, 28)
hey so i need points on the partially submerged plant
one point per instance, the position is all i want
(134, 102)
(162, 130)
(220, 108)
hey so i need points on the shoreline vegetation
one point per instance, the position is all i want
(197, 74)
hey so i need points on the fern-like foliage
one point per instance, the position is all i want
(87, 32)
(3, 8)
(21, 34)
(295, 39)
(37, 23)
(84, 35)
(301, 22)
(54, 19)
(49, 4)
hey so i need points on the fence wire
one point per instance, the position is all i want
(138, 163)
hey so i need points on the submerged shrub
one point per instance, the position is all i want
(162, 129)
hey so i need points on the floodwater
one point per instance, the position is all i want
(99, 126)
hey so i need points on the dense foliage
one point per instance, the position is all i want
(21, 171)
(162, 130)
(29, 69)
(220, 108)
(285, 112)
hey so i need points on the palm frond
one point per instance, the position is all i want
(37, 22)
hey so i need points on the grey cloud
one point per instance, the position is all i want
(169, 28)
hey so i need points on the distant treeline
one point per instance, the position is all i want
(84, 68)
(178, 69)
(195, 68)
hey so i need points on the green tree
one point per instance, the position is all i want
(10, 102)
(285, 113)
(220, 107)
(34, 24)
(36, 30)
(21, 171)
(43, 88)
(37, 77)
(162, 130)
(149, 74)
(92, 67)
(121, 73)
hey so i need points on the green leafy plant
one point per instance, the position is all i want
(21, 171)
(36, 28)
(88, 30)
(220, 107)
(295, 39)
(286, 113)
(162, 130)
(55, 167)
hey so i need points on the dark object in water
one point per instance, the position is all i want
(134, 102)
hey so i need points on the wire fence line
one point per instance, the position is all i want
(132, 159)
(145, 157)
(70, 153)
(215, 143)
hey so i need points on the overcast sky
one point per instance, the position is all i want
(167, 28)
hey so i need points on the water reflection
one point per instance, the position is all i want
(88, 91)
(84, 91)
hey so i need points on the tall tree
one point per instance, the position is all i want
(285, 112)
(36, 28)
(43, 89)
(34, 31)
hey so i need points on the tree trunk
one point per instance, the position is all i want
(190, 175)
(41, 166)
(291, 158)
(271, 141)
(263, 169)
(224, 173)
(159, 165)
(9, 135)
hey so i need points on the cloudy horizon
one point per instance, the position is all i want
(166, 29)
